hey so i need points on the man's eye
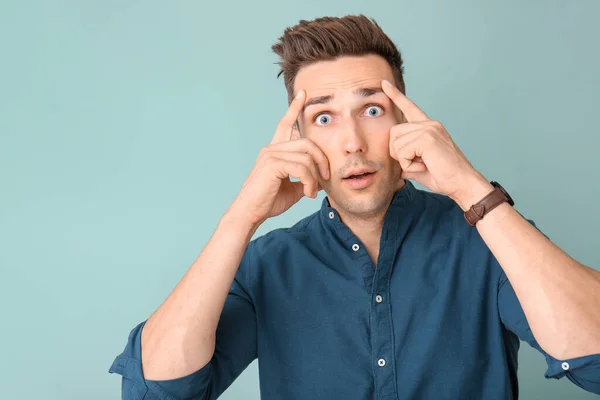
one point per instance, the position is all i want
(374, 111)
(323, 119)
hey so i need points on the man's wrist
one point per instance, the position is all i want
(237, 218)
(475, 190)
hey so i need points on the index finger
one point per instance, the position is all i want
(283, 132)
(408, 108)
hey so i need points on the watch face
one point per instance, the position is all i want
(499, 186)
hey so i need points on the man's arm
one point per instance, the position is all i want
(205, 330)
(559, 296)
(234, 341)
(179, 337)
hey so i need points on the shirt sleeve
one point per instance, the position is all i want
(583, 371)
(235, 349)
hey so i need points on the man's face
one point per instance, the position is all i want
(349, 118)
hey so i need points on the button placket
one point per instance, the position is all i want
(383, 340)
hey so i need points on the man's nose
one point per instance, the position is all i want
(354, 137)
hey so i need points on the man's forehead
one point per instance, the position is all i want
(344, 75)
(358, 87)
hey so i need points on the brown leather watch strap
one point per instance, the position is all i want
(485, 205)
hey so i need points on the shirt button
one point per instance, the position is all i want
(331, 215)
(355, 247)
(565, 366)
(378, 298)
(381, 362)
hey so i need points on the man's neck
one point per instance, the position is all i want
(368, 228)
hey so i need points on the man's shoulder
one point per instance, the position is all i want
(446, 216)
(440, 201)
(281, 238)
(442, 209)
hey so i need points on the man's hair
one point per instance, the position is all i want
(327, 38)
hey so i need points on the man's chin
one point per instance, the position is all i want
(360, 203)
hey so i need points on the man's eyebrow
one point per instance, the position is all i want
(368, 91)
(317, 100)
(362, 92)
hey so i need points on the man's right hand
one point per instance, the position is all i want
(268, 190)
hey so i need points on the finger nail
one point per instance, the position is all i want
(299, 94)
(387, 83)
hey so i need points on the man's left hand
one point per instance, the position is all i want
(428, 155)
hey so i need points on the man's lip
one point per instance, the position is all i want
(358, 172)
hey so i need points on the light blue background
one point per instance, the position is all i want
(127, 128)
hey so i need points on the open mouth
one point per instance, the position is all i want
(359, 176)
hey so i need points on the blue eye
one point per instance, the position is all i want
(323, 119)
(374, 111)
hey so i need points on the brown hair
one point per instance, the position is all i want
(328, 38)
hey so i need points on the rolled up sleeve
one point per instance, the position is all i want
(235, 349)
(582, 371)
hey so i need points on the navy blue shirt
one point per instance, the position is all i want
(436, 318)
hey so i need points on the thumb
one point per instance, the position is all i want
(414, 166)
(408, 175)
(297, 190)
(421, 177)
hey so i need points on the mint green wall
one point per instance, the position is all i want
(126, 129)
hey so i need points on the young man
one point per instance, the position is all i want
(387, 291)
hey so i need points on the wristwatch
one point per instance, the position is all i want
(488, 203)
